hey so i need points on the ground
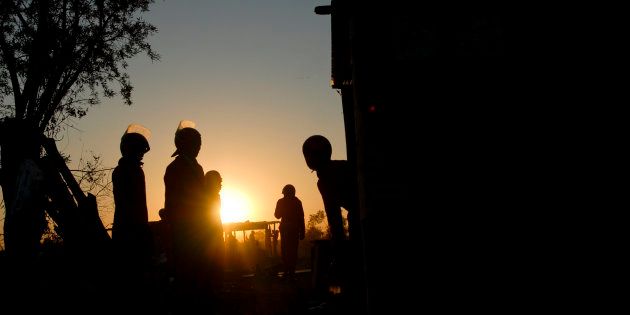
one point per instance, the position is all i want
(58, 284)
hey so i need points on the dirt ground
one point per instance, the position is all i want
(57, 285)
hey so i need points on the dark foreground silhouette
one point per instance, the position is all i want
(60, 283)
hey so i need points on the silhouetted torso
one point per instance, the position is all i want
(337, 186)
(183, 183)
(214, 213)
(291, 213)
(130, 232)
(184, 204)
(216, 244)
(289, 210)
(131, 236)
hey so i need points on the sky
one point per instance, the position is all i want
(254, 76)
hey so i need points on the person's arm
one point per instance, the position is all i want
(139, 197)
(120, 196)
(302, 230)
(278, 212)
(168, 195)
(333, 212)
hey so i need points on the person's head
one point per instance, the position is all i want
(317, 151)
(288, 190)
(135, 141)
(187, 142)
(213, 181)
(134, 145)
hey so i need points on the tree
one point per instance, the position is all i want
(314, 231)
(57, 58)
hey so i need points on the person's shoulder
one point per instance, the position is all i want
(336, 166)
(172, 169)
(118, 169)
(173, 162)
(115, 173)
(176, 163)
(339, 162)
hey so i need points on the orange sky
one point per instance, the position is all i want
(255, 80)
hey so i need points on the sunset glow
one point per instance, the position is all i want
(235, 206)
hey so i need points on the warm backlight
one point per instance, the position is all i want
(234, 206)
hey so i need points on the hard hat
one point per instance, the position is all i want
(186, 134)
(136, 136)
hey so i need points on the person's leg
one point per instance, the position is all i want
(292, 245)
(284, 251)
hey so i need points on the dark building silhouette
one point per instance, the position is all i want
(436, 131)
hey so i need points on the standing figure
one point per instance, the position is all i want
(289, 210)
(184, 203)
(268, 241)
(274, 249)
(213, 184)
(337, 183)
(131, 235)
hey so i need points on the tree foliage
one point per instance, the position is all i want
(316, 226)
(59, 56)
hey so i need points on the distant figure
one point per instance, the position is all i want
(268, 240)
(213, 184)
(184, 203)
(275, 234)
(131, 235)
(231, 244)
(252, 237)
(289, 210)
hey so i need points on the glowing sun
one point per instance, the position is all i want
(234, 206)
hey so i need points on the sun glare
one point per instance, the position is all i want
(234, 206)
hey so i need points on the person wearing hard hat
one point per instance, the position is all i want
(131, 236)
(130, 232)
(184, 206)
(213, 184)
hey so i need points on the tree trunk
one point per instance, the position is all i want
(22, 183)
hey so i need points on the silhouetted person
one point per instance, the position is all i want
(131, 235)
(252, 237)
(184, 207)
(213, 185)
(231, 244)
(268, 240)
(275, 234)
(337, 183)
(165, 241)
(289, 210)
